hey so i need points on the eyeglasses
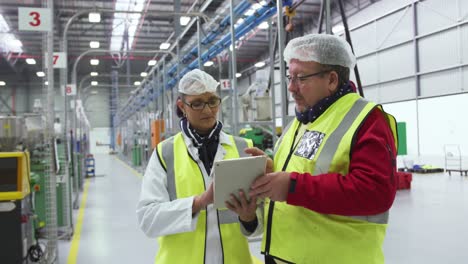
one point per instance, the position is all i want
(200, 105)
(302, 79)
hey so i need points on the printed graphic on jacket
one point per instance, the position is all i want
(309, 144)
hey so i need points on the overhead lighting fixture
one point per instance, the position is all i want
(94, 62)
(260, 64)
(338, 29)
(250, 12)
(152, 62)
(40, 74)
(2, 83)
(46, 82)
(94, 74)
(30, 61)
(208, 63)
(94, 83)
(164, 45)
(263, 25)
(94, 44)
(257, 6)
(94, 17)
(184, 20)
(137, 83)
(238, 74)
(94, 92)
(143, 74)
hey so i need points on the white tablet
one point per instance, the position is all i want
(234, 174)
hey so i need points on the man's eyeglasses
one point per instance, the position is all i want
(301, 79)
(200, 105)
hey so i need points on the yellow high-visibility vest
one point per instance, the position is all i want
(185, 179)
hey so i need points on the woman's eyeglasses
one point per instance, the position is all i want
(200, 105)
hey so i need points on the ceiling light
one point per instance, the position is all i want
(263, 25)
(30, 61)
(338, 29)
(208, 63)
(256, 6)
(94, 62)
(143, 74)
(94, 44)
(184, 20)
(2, 83)
(40, 74)
(94, 17)
(137, 83)
(238, 74)
(46, 82)
(250, 12)
(94, 74)
(260, 64)
(94, 83)
(94, 92)
(152, 62)
(164, 45)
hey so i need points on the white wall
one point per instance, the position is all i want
(102, 135)
(441, 123)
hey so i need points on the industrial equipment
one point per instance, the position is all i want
(16, 225)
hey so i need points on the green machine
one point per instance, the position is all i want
(38, 170)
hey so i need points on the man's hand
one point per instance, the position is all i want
(245, 209)
(273, 185)
(259, 152)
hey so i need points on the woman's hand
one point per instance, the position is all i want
(258, 152)
(203, 200)
(245, 209)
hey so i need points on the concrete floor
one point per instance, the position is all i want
(428, 224)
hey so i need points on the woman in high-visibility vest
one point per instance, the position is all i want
(177, 191)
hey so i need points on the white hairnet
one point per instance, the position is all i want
(197, 82)
(321, 48)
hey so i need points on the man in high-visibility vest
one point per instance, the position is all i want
(332, 181)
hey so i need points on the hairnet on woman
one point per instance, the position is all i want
(177, 192)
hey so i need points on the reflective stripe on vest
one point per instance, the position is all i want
(330, 148)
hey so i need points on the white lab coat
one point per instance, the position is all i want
(158, 216)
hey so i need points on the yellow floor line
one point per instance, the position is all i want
(256, 260)
(130, 168)
(75, 244)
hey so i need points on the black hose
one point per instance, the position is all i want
(321, 14)
(348, 38)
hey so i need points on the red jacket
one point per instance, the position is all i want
(370, 186)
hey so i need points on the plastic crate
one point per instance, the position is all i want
(404, 180)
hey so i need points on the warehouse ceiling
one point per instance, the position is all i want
(148, 29)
